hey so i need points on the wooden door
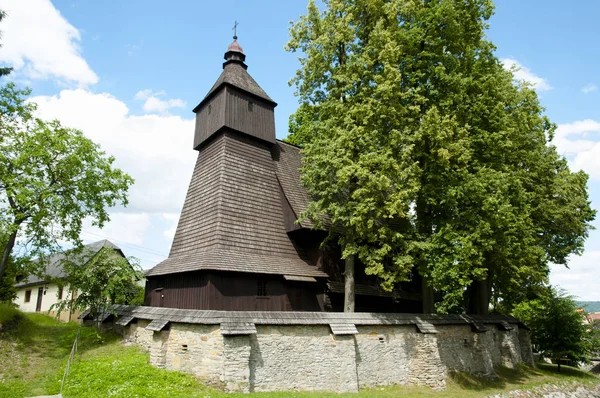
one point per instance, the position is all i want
(38, 306)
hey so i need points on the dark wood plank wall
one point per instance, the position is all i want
(233, 292)
(257, 120)
(190, 290)
(210, 118)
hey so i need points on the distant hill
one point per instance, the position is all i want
(590, 306)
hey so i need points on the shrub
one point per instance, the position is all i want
(10, 318)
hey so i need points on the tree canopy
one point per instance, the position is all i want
(4, 70)
(427, 154)
(107, 278)
(558, 329)
(51, 179)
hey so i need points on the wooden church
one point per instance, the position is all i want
(237, 245)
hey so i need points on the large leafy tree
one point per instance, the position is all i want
(427, 155)
(558, 329)
(51, 179)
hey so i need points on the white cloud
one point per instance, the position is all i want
(578, 141)
(40, 44)
(143, 94)
(588, 88)
(154, 104)
(127, 228)
(155, 150)
(522, 73)
(582, 278)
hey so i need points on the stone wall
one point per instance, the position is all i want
(311, 357)
(196, 349)
(302, 358)
(136, 333)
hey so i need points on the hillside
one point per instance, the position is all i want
(590, 306)
(34, 350)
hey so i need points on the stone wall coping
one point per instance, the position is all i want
(213, 317)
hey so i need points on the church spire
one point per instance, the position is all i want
(235, 53)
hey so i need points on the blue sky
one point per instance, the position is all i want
(128, 73)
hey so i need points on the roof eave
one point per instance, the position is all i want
(227, 84)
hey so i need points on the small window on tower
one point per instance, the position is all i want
(209, 109)
(27, 296)
(60, 293)
(250, 106)
(261, 288)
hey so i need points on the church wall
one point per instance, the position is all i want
(249, 115)
(286, 357)
(211, 290)
(207, 125)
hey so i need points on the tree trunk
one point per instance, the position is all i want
(479, 296)
(7, 250)
(349, 284)
(428, 299)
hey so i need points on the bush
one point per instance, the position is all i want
(558, 330)
(10, 318)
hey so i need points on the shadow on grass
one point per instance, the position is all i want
(45, 336)
(566, 371)
(520, 375)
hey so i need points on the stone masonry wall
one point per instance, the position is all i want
(311, 357)
(196, 349)
(136, 333)
(302, 358)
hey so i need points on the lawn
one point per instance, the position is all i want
(34, 352)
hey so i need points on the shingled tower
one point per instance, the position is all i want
(231, 249)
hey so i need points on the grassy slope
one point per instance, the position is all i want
(33, 356)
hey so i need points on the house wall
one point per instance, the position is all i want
(312, 358)
(48, 299)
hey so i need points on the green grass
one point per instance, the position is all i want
(34, 352)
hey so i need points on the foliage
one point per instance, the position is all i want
(425, 153)
(107, 278)
(4, 71)
(8, 292)
(51, 178)
(8, 312)
(135, 296)
(557, 329)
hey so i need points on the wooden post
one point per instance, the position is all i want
(349, 284)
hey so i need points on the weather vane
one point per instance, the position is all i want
(235, 25)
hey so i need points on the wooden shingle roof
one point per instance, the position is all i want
(54, 263)
(288, 161)
(232, 219)
(235, 75)
(341, 321)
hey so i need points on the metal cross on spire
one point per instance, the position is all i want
(235, 25)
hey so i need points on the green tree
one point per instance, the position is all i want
(51, 178)
(558, 330)
(423, 151)
(107, 278)
(5, 70)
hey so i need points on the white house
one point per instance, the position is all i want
(38, 294)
